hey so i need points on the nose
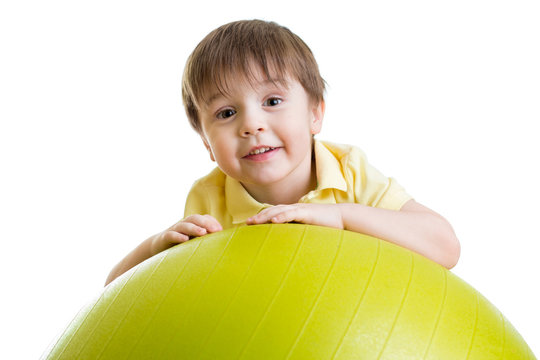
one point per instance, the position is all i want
(252, 124)
(254, 131)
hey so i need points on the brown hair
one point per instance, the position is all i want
(230, 51)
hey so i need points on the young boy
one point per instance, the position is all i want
(253, 92)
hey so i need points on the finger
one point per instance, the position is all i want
(288, 215)
(212, 224)
(189, 229)
(174, 237)
(277, 214)
(265, 215)
(206, 222)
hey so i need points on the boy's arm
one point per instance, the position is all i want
(192, 226)
(415, 226)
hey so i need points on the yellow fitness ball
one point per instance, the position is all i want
(289, 291)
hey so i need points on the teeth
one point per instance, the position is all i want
(261, 150)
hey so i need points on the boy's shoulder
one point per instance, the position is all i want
(216, 177)
(343, 153)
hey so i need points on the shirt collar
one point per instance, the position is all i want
(241, 205)
(329, 173)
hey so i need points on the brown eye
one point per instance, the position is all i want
(226, 113)
(273, 101)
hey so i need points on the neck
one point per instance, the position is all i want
(286, 191)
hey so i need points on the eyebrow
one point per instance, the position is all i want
(264, 83)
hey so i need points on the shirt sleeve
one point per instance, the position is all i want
(197, 201)
(374, 189)
(394, 197)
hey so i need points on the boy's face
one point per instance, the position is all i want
(262, 134)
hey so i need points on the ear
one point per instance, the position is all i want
(208, 148)
(317, 117)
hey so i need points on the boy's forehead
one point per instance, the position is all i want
(214, 93)
(248, 76)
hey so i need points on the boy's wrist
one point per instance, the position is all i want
(349, 213)
(157, 243)
(343, 209)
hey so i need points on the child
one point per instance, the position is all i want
(253, 92)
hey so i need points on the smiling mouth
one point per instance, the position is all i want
(261, 153)
(261, 150)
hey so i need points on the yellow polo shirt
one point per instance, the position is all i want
(343, 176)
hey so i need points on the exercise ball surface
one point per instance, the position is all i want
(289, 291)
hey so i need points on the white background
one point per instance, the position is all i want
(96, 153)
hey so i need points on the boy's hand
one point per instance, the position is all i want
(182, 231)
(313, 214)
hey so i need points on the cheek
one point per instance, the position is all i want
(223, 150)
(218, 148)
(297, 128)
(217, 139)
